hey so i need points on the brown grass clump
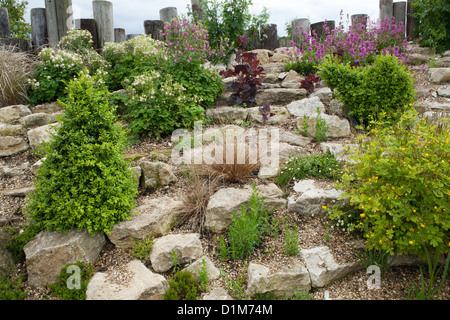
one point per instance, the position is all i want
(15, 69)
(196, 197)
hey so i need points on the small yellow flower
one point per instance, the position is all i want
(370, 198)
(362, 215)
(381, 241)
(414, 210)
(411, 242)
(422, 225)
(426, 154)
(324, 207)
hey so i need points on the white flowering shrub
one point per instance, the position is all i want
(158, 105)
(58, 67)
(133, 57)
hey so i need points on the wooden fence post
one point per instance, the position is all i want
(167, 14)
(154, 28)
(386, 9)
(104, 17)
(119, 35)
(5, 31)
(39, 34)
(91, 26)
(299, 28)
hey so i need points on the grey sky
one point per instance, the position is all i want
(130, 14)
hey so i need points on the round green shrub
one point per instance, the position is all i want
(399, 187)
(183, 286)
(84, 181)
(373, 92)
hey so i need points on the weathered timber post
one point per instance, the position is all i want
(131, 36)
(299, 28)
(399, 12)
(21, 44)
(320, 28)
(386, 9)
(104, 17)
(52, 22)
(167, 14)
(269, 37)
(197, 9)
(119, 35)
(359, 18)
(64, 14)
(5, 31)
(91, 26)
(154, 28)
(411, 22)
(39, 34)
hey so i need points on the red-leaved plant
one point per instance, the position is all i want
(248, 72)
(310, 83)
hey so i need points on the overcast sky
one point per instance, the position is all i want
(130, 14)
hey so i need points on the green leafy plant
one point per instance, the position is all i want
(142, 249)
(291, 242)
(398, 185)
(236, 286)
(182, 286)
(374, 257)
(11, 290)
(17, 23)
(203, 277)
(246, 231)
(16, 244)
(175, 260)
(301, 295)
(61, 288)
(321, 128)
(305, 126)
(434, 26)
(323, 166)
(384, 89)
(85, 182)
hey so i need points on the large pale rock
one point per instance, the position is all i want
(49, 252)
(306, 107)
(322, 267)
(336, 108)
(10, 146)
(439, 75)
(187, 247)
(292, 80)
(217, 294)
(143, 285)
(20, 193)
(6, 261)
(308, 198)
(211, 270)
(444, 92)
(339, 150)
(279, 115)
(157, 174)
(37, 120)
(279, 96)
(294, 139)
(285, 151)
(227, 115)
(7, 129)
(154, 218)
(226, 201)
(40, 135)
(263, 55)
(13, 113)
(8, 172)
(337, 128)
(52, 107)
(282, 284)
(325, 95)
(279, 57)
(275, 67)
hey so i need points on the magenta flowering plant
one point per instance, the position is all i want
(187, 42)
(358, 46)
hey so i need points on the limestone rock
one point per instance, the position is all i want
(274, 67)
(14, 172)
(7, 129)
(154, 218)
(217, 294)
(20, 193)
(339, 150)
(279, 57)
(439, 75)
(444, 92)
(187, 247)
(226, 201)
(6, 261)
(211, 270)
(306, 107)
(270, 78)
(294, 139)
(282, 284)
(157, 174)
(39, 135)
(308, 199)
(263, 55)
(325, 95)
(143, 285)
(280, 114)
(337, 128)
(323, 268)
(285, 151)
(10, 146)
(13, 113)
(37, 120)
(227, 115)
(279, 96)
(136, 173)
(336, 108)
(49, 252)
(35, 167)
(292, 80)
(52, 107)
